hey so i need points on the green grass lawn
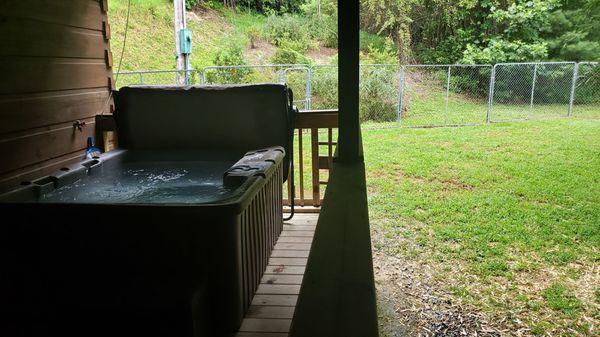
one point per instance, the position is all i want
(507, 215)
(426, 106)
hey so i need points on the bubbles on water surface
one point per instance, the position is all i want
(189, 182)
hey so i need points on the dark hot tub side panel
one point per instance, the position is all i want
(135, 269)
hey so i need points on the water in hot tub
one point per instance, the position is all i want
(149, 182)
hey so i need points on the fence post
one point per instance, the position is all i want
(308, 87)
(202, 77)
(141, 78)
(400, 95)
(573, 87)
(535, 68)
(488, 117)
(447, 96)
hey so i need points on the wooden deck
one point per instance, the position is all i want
(272, 309)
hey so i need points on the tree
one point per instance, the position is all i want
(573, 32)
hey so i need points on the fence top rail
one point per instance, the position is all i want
(136, 72)
(446, 65)
(256, 66)
(406, 65)
(379, 65)
(533, 63)
(295, 68)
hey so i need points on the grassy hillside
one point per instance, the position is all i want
(150, 40)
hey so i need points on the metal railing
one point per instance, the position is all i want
(421, 95)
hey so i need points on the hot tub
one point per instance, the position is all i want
(165, 237)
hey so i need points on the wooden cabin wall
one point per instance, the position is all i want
(55, 69)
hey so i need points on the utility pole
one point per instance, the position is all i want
(319, 8)
(182, 42)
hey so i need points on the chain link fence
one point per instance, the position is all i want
(420, 95)
(586, 92)
(531, 90)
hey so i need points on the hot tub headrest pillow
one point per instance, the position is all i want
(231, 119)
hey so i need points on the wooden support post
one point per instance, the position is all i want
(301, 166)
(348, 40)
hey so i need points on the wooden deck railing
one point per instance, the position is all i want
(312, 124)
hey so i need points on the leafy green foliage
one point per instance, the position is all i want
(378, 94)
(389, 18)
(325, 88)
(254, 34)
(289, 56)
(301, 32)
(264, 6)
(587, 85)
(231, 56)
(573, 31)
(191, 4)
(487, 31)
(499, 50)
(386, 54)
(288, 31)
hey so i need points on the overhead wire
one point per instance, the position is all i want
(110, 95)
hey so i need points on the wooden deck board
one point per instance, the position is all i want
(276, 300)
(289, 253)
(284, 270)
(299, 228)
(298, 233)
(288, 261)
(279, 289)
(266, 325)
(259, 311)
(293, 246)
(272, 308)
(282, 279)
(295, 239)
(261, 334)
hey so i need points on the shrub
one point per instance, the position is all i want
(191, 4)
(378, 94)
(469, 81)
(231, 56)
(254, 34)
(289, 56)
(386, 55)
(288, 31)
(587, 85)
(325, 88)
(272, 6)
(513, 84)
(324, 29)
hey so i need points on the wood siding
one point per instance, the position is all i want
(55, 69)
